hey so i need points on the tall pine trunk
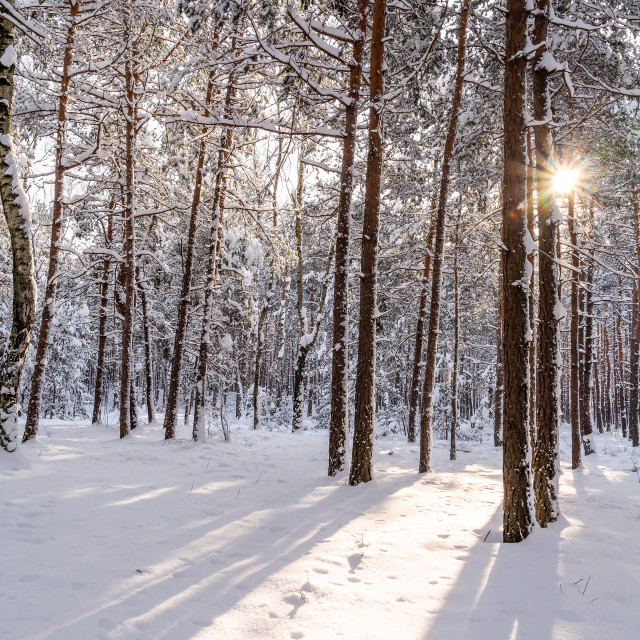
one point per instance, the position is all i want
(364, 415)
(456, 348)
(339, 420)
(499, 389)
(426, 414)
(270, 290)
(575, 354)
(215, 238)
(171, 411)
(49, 308)
(102, 323)
(634, 382)
(129, 264)
(414, 393)
(545, 459)
(517, 515)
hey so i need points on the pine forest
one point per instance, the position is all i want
(309, 308)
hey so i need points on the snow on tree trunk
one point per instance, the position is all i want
(129, 265)
(545, 460)
(102, 324)
(339, 420)
(575, 372)
(215, 238)
(634, 396)
(516, 269)
(416, 371)
(49, 308)
(171, 412)
(18, 216)
(426, 416)
(364, 415)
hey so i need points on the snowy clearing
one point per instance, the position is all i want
(139, 539)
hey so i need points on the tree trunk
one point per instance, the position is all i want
(215, 237)
(499, 390)
(517, 517)
(586, 424)
(171, 412)
(364, 414)
(49, 307)
(129, 265)
(265, 305)
(456, 336)
(575, 354)
(102, 323)
(426, 414)
(532, 303)
(148, 362)
(545, 460)
(414, 395)
(634, 356)
(18, 217)
(339, 420)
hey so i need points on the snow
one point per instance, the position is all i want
(9, 57)
(249, 539)
(12, 170)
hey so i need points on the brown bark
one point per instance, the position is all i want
(586, 425)
(16, 212)
(532, 303)
(49, 308)
(414, 397)
(499, 389)
(171, 411)
(364, 415)
(305, 348)
(575, 355)
(545, 459)
(129, 264)
(620, 378)
(215, 238)
(339, 421)
(148, 362)
(426, 414)
(634, 355)
(102, 323)
(265, 304)
(517, 517)
(456, 338)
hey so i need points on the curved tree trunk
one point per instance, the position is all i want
(18, 216)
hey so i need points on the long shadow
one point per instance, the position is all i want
(505, 591)
(211, 582)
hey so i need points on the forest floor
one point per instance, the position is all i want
(249, 539)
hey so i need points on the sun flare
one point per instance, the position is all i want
(565, 180)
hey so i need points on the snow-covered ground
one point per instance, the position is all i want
(249, 539)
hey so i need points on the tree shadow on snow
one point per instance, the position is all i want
(504, 591)
(178, 604)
